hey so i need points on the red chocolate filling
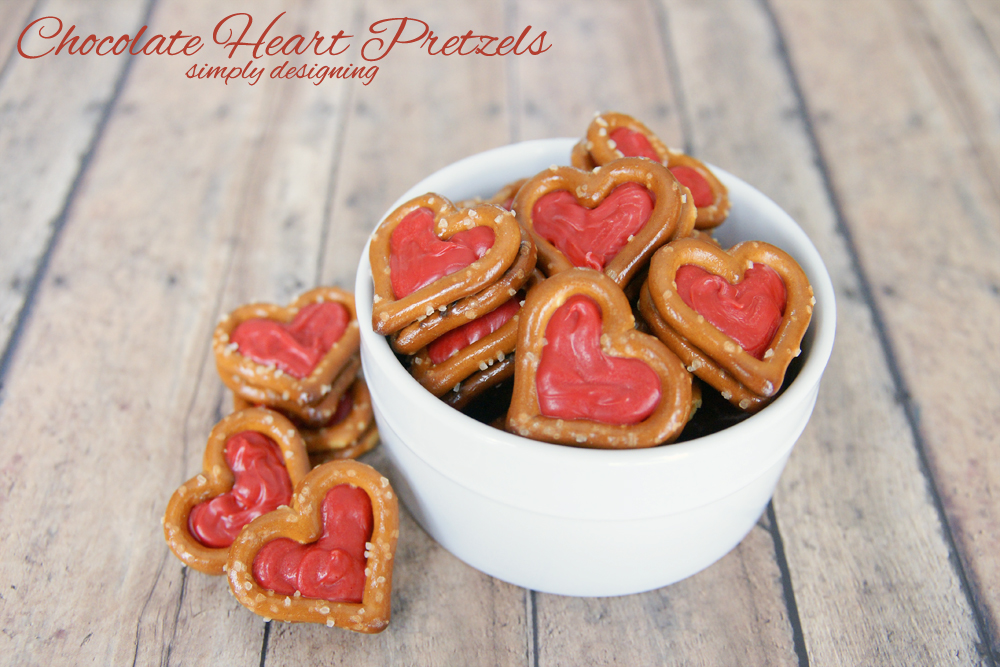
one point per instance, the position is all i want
(590, 237)
(262, 484)
(332, 568)
(576, 380)
(417, 257)
(447, 345)
(296, 348)
(749, 312)
(635, 144)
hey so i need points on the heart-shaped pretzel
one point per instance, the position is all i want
(504, 197)
(619, 343)
(762, 376)
(217, 479)
(238, 371)
(389, 313)
(312, 415)
(353, 418)
(442, 376)
(696, 361)
(672, 214)
(303, 523)
(599, 148)
(411, 338)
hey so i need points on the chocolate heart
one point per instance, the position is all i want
(417, 257)
(632, 143)
(295, 347)
(585, 377)
(332, 568)
(672, 286)
(411, 286)
(589, 237)
(328, 557)
(612, 136)
(577, 380)
(611, 219)
(252, 460)
(748, 312)
(447, 345)
(290, 357)
(262, 484)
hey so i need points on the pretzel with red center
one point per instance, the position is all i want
(352, 423)
(411, 338)
(269, 462)
(695, 360)
(428, 254)
(504, 197)
(611, 219)
(325, 559)
(288, 356)
(585, 377)
(611, 136)
(738, 290)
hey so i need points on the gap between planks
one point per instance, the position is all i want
(903, 393)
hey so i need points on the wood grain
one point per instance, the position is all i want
(50, 112)
(923, 219)
(850, 481)
(414, 118)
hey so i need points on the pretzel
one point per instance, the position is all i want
(671, 216)
(762, 376)
(390, 312)
(302, 523)
(364, 443)
(476, 384)
(313, 416)
(659, 403)
(696, 361)
(599, 148)
(217, 479)
(237, 370)
(413, 337)
(342, 430)
(439, 378)
(504, 198)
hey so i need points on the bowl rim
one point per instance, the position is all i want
(818, 346)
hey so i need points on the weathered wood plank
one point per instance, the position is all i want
(925, 226)
(724, 615)
(852, 561)
(603, 57)
(50, 111)
(14, 16)
(418, 114)
(193, 182)
(634, 71)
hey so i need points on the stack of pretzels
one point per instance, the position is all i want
(301, 360)
(631, 300)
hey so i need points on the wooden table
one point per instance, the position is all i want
(137, 205)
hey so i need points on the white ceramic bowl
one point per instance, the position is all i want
(588, 522)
